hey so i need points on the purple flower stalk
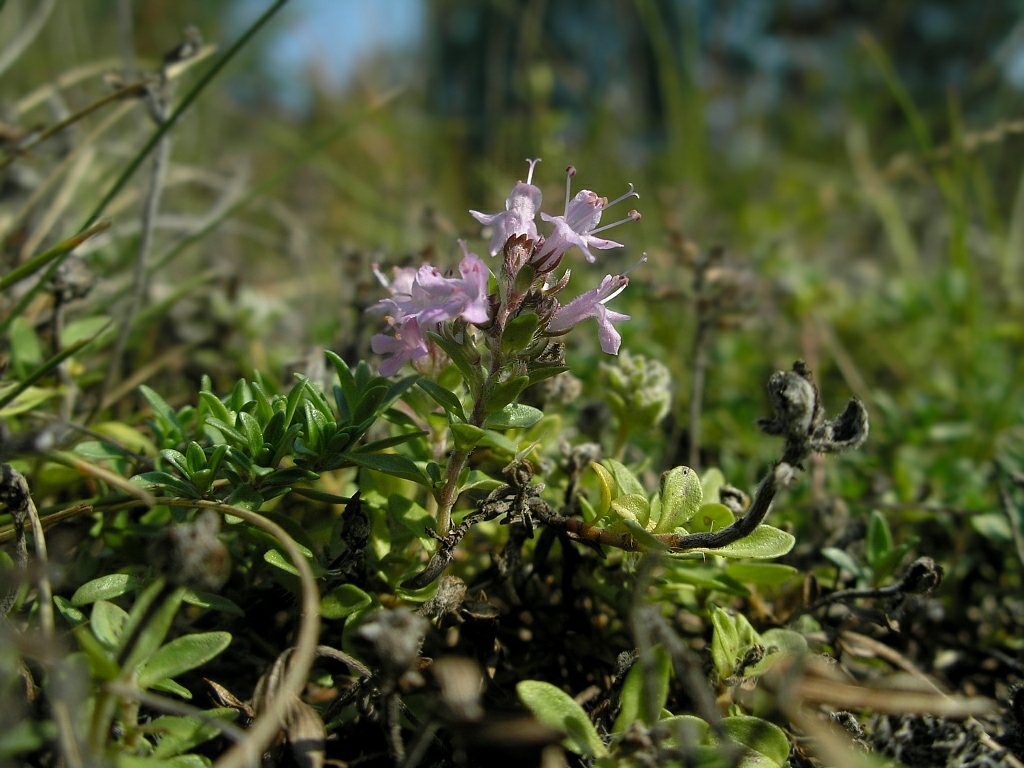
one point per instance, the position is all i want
(421, 300)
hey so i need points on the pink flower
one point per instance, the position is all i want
(518, 217)
(577, 226)
(592, 304)
(421, 300)
(474, 287)
(407, 344)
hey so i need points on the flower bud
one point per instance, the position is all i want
(923, 576)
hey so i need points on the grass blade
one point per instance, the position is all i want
(36, 263)
(186, 102)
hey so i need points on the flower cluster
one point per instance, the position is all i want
(422, 299)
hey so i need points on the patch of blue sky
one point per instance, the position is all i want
(332, 36)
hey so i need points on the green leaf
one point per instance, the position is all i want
(180, 734)
(445, 398)
(278, 560)
(390, 442)
(181, 761)
(682, 572)
(182, 654)
(250, 428)
(143, 601)
(633, 506)
(246, 497)
(644, 538)
(72, 615)
(556, 709)
(463, 355)
(764, 543)
(25, 736)
(888, 564)
(654, 668)
(101, 661)
(625, 480)
(609, 488)
(370, 400)
(342, 601)
(390, 464)
(712, 480)
(504, 393)
(542, 372)
(993, 526)
(328, 498)
(519, 332)
(498, 442)
(104, 588)
(725, 642)
(694, 731)
(466, 436)
(169, 686)
(85, 328)
(345, 378)
(107, 621)
(764, 738)
(514, 416)
(711, 517)
(778, 643)
(25, 348)
(160, 406)
(155, 630)
(761, 574)
(177, 460)
(212, 601)
(27, 399)
(681, 495)
(843, 561)
(51, 364)
(216, 409)
(878, 541)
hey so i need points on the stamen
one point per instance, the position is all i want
(381, 277)
(631, 193)
(621, 288)
(569, 173)
(633, 215)
(533, 164)
(643, 260)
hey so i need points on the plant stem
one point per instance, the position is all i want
(449, 493)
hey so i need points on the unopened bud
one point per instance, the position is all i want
(923, 576)
(795, 401)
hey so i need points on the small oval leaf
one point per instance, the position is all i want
(104, 588)
(182, 654)
(681, 496)
(343, 601)
(514, 416)
(555, 708)
(711, 517)
(764, 543)
(107, 621)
